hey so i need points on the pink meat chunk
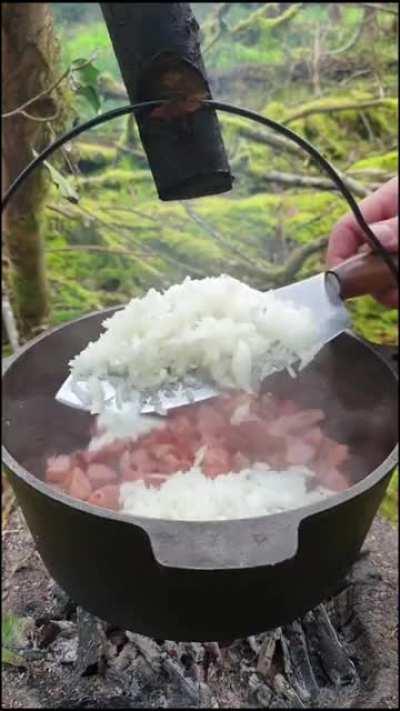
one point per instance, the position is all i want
(101, 474)
(107, 497)
(79, 486)
(58, 468)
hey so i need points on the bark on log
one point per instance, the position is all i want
(158, 51)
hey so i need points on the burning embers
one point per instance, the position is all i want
(236, 440)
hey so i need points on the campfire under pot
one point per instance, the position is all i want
(208, 580)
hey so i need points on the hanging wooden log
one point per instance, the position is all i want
(158, 51)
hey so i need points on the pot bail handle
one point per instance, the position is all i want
(363, 274)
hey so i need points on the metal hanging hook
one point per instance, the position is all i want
(238, 111)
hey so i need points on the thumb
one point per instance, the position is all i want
(387, 232)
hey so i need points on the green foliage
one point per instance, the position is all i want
(374, 322)
(90, 38)
(94, 156)
(387, 162)
(85, 77)
(64, 185)
(116, 178)
(390, 505)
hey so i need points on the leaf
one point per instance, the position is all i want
(90, 94)
(88, 74)
(9, 657)
(12, 628)
(76, 62)
(66, 189)
(12, 633)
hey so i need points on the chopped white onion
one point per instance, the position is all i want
(217, 328)
(191, 496)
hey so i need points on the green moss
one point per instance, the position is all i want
(387, 162)
(339, 102)
(116, 178)
(335, 132)
(275, 110)
(94, 156)
(310, 214)
(198, 250)
(257, 19)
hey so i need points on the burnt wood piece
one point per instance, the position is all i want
(91, 644)
(158, 52)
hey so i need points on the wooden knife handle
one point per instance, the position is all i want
(364, 274)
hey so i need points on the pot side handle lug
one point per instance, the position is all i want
(234, 544)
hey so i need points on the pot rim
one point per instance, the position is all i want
(151, 525)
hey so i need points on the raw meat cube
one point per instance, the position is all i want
(58, 468)
(107, 497)
(79, 485)
(101, 474)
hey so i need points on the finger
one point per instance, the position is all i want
(387, 232)
(347, 236)
(344, 244)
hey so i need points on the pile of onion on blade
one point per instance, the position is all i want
(216, 328)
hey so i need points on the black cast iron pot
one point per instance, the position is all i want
(209, 580)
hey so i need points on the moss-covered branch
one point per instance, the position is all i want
(327, 106)
(259, 19)
(242, 128)
(304, 181)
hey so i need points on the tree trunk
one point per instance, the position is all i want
(28, 55)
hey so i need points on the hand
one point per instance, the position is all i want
(380, 211)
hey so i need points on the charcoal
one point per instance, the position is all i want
(283, 689)
(338, 668)
(147, 647)
(91, 644)
(299, 668)
(267, 652)
(187, 689)
(47, 633)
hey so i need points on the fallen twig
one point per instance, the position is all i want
(303, 181)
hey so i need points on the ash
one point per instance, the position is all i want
(341, 654)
